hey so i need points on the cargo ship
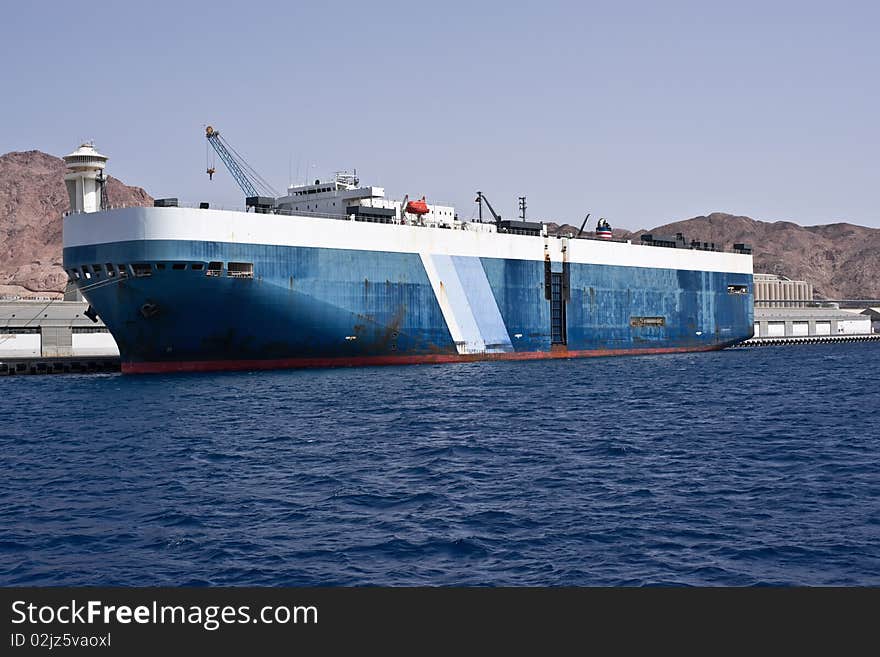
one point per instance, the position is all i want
(334, 273)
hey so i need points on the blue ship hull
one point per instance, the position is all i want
(326, 306)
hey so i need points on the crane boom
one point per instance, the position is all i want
(482, 199)
(251, 183)
(583, 224)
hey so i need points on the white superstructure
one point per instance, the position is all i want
(343, 195)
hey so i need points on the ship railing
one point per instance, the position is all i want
(276, 211)
(320, 215)
(342, 217)
(200, 206)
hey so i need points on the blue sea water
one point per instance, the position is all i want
(741, 467)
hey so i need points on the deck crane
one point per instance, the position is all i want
(259, 194)
(518, 227)
(482, 199)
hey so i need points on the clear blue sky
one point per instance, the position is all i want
(643, 112)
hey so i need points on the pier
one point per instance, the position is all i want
(810, 339)
(53, 336)
(63, 365)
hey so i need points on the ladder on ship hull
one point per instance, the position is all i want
(556, 291)
(557, 309)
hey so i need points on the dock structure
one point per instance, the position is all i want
(64, 365)
(787, 313)
(45, 336)
(815, 339)
(807, 322)
(873, 313)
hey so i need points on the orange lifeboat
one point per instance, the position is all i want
(417, 207)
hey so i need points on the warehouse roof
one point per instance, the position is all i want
(31, 314)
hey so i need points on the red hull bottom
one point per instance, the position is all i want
(366, 361)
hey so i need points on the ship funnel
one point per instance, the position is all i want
(85, 178)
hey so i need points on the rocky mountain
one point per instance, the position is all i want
(32, 199)
(840, 260)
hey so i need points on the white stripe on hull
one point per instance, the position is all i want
(467, 303)
(453, 304)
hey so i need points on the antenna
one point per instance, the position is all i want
(522, 207)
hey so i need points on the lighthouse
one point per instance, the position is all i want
(85, 178)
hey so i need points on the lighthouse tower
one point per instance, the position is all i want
(85, 178)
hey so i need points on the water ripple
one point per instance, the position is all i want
(744, 467)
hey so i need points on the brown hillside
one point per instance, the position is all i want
(32, 200)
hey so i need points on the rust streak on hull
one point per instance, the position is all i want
(367, 361)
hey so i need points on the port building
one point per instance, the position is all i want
(785, 308)
(774, 291)
(51, 328)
